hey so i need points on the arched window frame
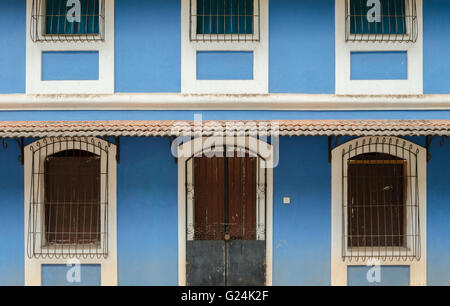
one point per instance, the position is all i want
(340, 263)
(53, 145)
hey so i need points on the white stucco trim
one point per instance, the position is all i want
(344, 85)
(33, 266)
(176, 101)
(253, 146)
(418, 269)
(105, 83)
(260, 82)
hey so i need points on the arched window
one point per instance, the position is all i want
(379, 206)
(68, 198)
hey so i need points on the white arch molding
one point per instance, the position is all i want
(253, 145)
(376, 144)
(33, 266)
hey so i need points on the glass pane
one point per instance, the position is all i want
(392, 18)
(224, 16)
(61, 17)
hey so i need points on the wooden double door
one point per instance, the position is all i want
(226, 241)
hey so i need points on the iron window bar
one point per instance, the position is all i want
(68, 203)
(49, 21)
(397, 21)
(224, 20)
(380, 201)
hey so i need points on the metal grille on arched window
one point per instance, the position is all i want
(224, 20)
(67, 20)
(380, 201)
(381, 20)
(68, 204)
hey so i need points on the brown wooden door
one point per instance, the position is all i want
(225, 198)
(241, 198)
(225, 250)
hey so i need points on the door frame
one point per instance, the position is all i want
(253, 146)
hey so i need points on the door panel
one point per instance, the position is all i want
(205, 263)
(246, 263)
(209, 198)
(242, 198)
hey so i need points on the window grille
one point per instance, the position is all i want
(68, 204)
(67, 20)
(381, 20)
(225, 20)
(380, 201)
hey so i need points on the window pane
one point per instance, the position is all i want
(58, 23)
(224, 16)
(392, 18)
(376, 203)
(72, 198)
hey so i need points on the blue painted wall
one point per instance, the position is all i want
(392, 65)
(147, 213)
(224, 65)
(301, 51)
(302, 230)
(148, 45)
(390, 276)
(301, 56)
(12, 51)
(69, 65)
(435, 49)
(56, 275)
(438, 222)
(12, 217)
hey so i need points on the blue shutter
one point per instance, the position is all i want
(224, 16)
(56, 22)
(393, 19)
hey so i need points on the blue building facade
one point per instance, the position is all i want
(323, 96)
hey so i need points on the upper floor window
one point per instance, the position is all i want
(224, 20)
(381, 20)
(68, 20)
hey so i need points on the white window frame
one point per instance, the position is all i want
(339, 266)
(33, 266)
(260, 49)
(253, 146)
(105, 83)
(413, 85)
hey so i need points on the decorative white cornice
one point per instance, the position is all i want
(177, 101)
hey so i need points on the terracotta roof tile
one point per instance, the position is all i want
(39, 129)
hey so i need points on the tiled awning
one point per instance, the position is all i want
(40, 129)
